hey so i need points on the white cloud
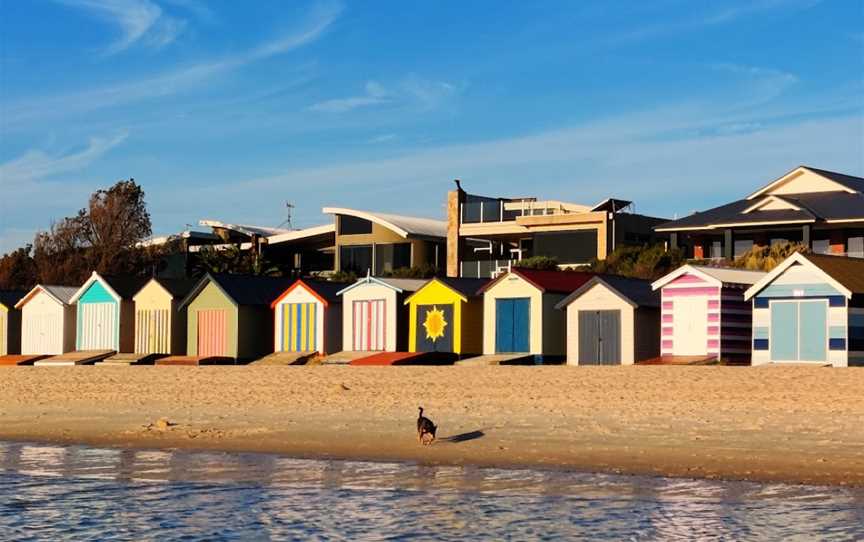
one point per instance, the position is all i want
(375, 95)
(37, 164)
(167, 83)
(383, 138)
(411, 91)
(138, 21)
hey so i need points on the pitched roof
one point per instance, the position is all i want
(637, 292)
(849, 181)
(847, 271)
(559, 282)
(126, 286)
(406, 226)
(61, 294)
(9, 298)
(242, 289)
(724, 275)
(327, 291)
(465, 286)
(178, 288)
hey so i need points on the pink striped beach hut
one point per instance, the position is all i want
(704, 314)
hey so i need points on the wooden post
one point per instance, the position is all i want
(455, 199)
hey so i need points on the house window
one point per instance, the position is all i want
(569, 247)
(350, 225)
(389, 257)
(742, 246)
(716, 250)
(355, 258)
(856, 247)
(821, 246)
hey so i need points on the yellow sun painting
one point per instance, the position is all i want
(434, 324)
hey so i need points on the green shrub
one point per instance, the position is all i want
(543, 263)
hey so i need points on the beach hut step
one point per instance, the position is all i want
(285, 358)
(18, 360)
(193, 361)
(680, 360)
(406, 358)
(498, 359)
(78, 357)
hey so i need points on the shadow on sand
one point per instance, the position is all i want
(465, 437)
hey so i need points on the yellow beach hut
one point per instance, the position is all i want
(160, 323)
(446, 315)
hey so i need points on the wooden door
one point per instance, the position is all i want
(153, 331)
(370, 325)
(600, 337)
(690, 326)
(435, 328)
(98, 327)
(300, 327)
(512, 325)
(213, 333)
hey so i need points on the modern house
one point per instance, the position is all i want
(10, 322)
(704, 313)
(378, 243)
(612, 320)
(446, 315)
(308, 318)
(160, 324)
(374, 315)
(105, 312)
(229, 316)
(821, 209)
(810, 309)
(519, 315)
(486, 234)
(47, 320)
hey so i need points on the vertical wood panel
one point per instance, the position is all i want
(212, 333)
(98, 326)
(153, 331)
(4, 343)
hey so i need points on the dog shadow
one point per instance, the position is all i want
(465, 437)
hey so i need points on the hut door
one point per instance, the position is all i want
(690, 326)
(512, 325)
(98, 326)
(299, 327)
(4, 345)
(435, 328)
(42, 334)
(152, 332)
(370, 325)
(212, 333)
(599, 337)
(799, 331)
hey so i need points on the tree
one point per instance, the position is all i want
(543, 263)
(18, 270)
(645, 262)
(115, 221)
(232, 259)
(766, 258)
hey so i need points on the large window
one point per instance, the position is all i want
(392, 256)
(350, 225)
(355, 258)
(567, 247)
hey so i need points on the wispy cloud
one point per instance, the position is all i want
(138, 21)
(762, 84)
(170, 82)
(410, 91)
(38, 164)
(383, 138)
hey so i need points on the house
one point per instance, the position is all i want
(486, 235)
(519, 314)
(612, 320)
(810, 309)
(821, 209)
(47, 320)
(378, 243)
(446, 315)
(229, 316)
(704, 313)
(374, 315)
(160, 325)
(308, 318)
(105, 312)
(10, 322)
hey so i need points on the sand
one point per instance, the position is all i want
(789, 424)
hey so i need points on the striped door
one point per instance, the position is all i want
(299, 327)
(370, 325)
(213, 333)
(152, 331)
(4, 344)
(42, 334)
(98, 327)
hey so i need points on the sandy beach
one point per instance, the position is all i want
(791, 424)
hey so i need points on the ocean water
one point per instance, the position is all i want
(79, 493)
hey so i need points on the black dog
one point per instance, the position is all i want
(425, 429)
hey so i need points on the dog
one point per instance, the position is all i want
(425, 429)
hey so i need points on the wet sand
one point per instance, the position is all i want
(790, 424)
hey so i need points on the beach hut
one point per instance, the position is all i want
(374, 316)
(10, 322)
(612, 320)
(446, 315)
(519, 315)
(160, 325)
(810, 309)
(308, 318)
(105, 312)
(47, 320)
(704, 314)
(229, 316)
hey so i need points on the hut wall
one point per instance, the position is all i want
(255, 331)
(513, 286)
(282, 332)
(98, 320)
(690, 311)
(48, 327)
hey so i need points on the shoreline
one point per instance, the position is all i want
(796, 425)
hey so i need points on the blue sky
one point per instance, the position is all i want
(226, 110)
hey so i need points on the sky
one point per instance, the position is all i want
(228, 110)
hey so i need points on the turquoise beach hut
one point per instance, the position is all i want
(106, 313)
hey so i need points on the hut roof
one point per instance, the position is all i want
(637, 292)
(242, 289)
(557, 282)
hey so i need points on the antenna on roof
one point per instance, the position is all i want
(287, 222)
